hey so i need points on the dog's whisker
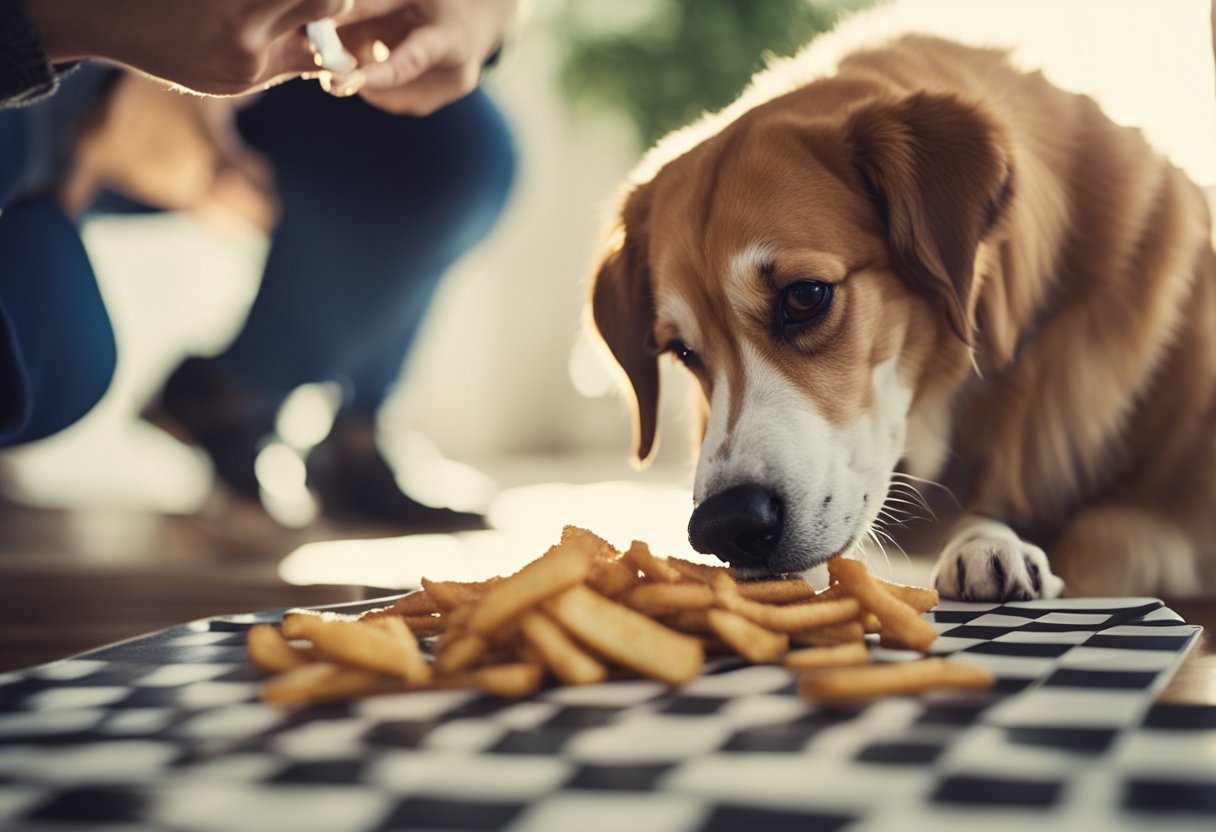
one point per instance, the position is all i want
(923, 481)
(878, 542)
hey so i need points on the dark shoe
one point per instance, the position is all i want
(354, 482)
(200, 407)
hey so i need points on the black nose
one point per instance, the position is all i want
(740, 525)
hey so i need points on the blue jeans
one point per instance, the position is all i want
(376, 208)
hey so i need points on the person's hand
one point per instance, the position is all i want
(437, 49)
(219, 47)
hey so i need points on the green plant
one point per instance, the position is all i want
(686, 56)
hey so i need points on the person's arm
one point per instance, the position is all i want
(219, 47)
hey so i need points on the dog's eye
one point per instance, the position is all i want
(804, 301)
(686, 356)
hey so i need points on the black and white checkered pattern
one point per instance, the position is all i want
(163, 732)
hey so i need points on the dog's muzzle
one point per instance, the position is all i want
(741, 525)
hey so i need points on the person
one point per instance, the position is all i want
(375, 207)
(228, 47)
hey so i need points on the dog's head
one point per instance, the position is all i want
(812, 264)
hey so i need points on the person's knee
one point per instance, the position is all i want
(57, 349)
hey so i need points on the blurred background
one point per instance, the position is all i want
(506, 405)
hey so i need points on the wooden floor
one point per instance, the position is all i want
(70, 581)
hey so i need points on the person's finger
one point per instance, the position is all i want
(421, 50)
(425, 95)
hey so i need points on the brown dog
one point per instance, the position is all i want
(932, 262)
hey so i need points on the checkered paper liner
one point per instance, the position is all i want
(164, 732)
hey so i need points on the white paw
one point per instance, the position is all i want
(989, 562)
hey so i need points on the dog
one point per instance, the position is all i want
(927, 265)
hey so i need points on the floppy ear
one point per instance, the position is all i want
(938, 171)
(622, 308)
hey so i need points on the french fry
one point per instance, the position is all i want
(749, 640)
(663, 599)
(420, 602)
(296, 622)
(791, 618)
(584, 612)
(269, 651)
(424, 625)
(897, 678)
(612, 577)
(779, 591)
(510, 681)
(560, 568)
(832, 634)
(320, 682)
(569, 662)
(919, 598)
(385, 646)
(600, 549)
(628, 637)
(900, 621)
(841, 655)
(448, 595)
(653, 567)
(702, 572)
(461, 653)
(689, 621)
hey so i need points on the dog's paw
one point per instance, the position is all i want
(994, 565)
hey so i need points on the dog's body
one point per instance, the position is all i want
(932, 261)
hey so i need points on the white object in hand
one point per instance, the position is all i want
(323, 35)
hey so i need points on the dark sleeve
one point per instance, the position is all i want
(26, 73)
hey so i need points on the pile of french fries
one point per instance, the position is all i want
(584, 613)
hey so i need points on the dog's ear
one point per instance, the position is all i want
(938, 171)
(622, 309)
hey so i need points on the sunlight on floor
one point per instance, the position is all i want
(526, 521)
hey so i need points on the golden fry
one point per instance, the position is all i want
(899, 620)
(612, 577)
(779, 591)
(749, 640)
(416, 603)
(511, 681)
(653, 567)
(448, 595)
(320, 682)
(461, 653)
(560, 568)
(384, 645)
(424, 625)
(792, 618)
(841, 655)
(918, 598)
(567, 660)
(845, 683)
(600, 549)
(702, 572)
(689, 621)
(296, 622)
(269, 651)
(832, 634)
(628, 637)
(663, 599)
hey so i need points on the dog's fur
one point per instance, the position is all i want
(1025, 306)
